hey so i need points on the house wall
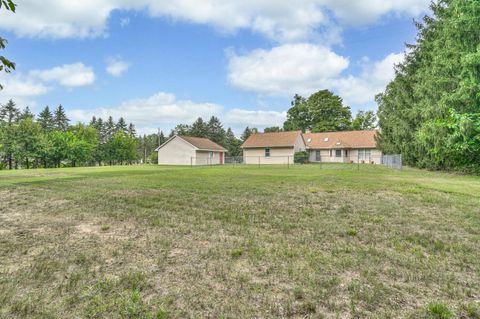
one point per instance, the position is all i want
(375, 155)
(278, 155)
(176, 152)
(299, 144)
(203, 158)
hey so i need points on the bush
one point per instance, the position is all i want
(300, 157)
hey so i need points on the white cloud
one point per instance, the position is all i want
(116, 67)
(375, 76)
(69, 75)
(306, 68)
(286, 69)
(165, 110)
(20, 88)
(157, 109)
(255, 118)
(280, 20)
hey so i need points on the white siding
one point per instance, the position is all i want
(278, 155)
(176, 152)
(207, 158)
(375, 156)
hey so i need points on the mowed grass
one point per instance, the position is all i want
(239, 242)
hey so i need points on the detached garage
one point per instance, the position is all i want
(188, 150)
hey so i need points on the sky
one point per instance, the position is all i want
(158, 63)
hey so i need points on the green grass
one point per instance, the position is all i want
(239, 242)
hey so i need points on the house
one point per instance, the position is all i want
(188, 150)
(343, 147)
(272, 148)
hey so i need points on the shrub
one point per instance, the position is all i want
(300, 157)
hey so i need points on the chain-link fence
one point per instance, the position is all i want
(337, 160)
(392, 161)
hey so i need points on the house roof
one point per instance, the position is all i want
(274, 139)
(202, 144)
(346, 139)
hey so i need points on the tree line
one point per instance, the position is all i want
(430, 112)
(48, 140)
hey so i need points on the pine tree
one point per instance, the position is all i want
(60, 119)
(121, 126)
(9, 113)
(27, 114)
(161, 138)
(131, 130)
(199, 128)
(45, 119)
(247, 132)
(232, 143)
(215, 131)
(109, 128)
(93, 122)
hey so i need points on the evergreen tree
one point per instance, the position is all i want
(109, 128)
(131, 130)
(9, 113)
(199, 129)
(27, 114)
(45, 119)
(232, 144)
(247, 132)
(161, 138)
(60, 119)
(215, 131)
(93, 122)
(430, 111)
(121, 126)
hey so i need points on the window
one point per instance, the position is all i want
(338, 153)
(364, 155)
(267, 152)
(331, 153)
(346, 153)
(317, 155)
(211, 154)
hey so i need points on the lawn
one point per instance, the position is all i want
(239, 242)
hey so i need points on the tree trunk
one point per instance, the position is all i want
(10, 166)
(26, 161)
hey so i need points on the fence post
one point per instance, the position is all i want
(259, 162)
(288, 161)
(191, 162)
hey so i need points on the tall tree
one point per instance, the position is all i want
(430, 111)
(9, 113)
(60, 119)
(27, 141)
(26, 113)
(131, 130)
(198, 128)
(232, 143)
(298, 116)
(45, 119)
(109, 128)
(364, 120)
(215, 131)
(247, 132)
(121, 126)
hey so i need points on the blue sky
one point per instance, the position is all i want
(160, 63)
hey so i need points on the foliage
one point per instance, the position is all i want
(429, 112)
(364, 120)
(5, 64)
(272, 129)
(300, 157)
(321, 112)
(247, 132)
(50, 141)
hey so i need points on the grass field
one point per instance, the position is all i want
(239, 242)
